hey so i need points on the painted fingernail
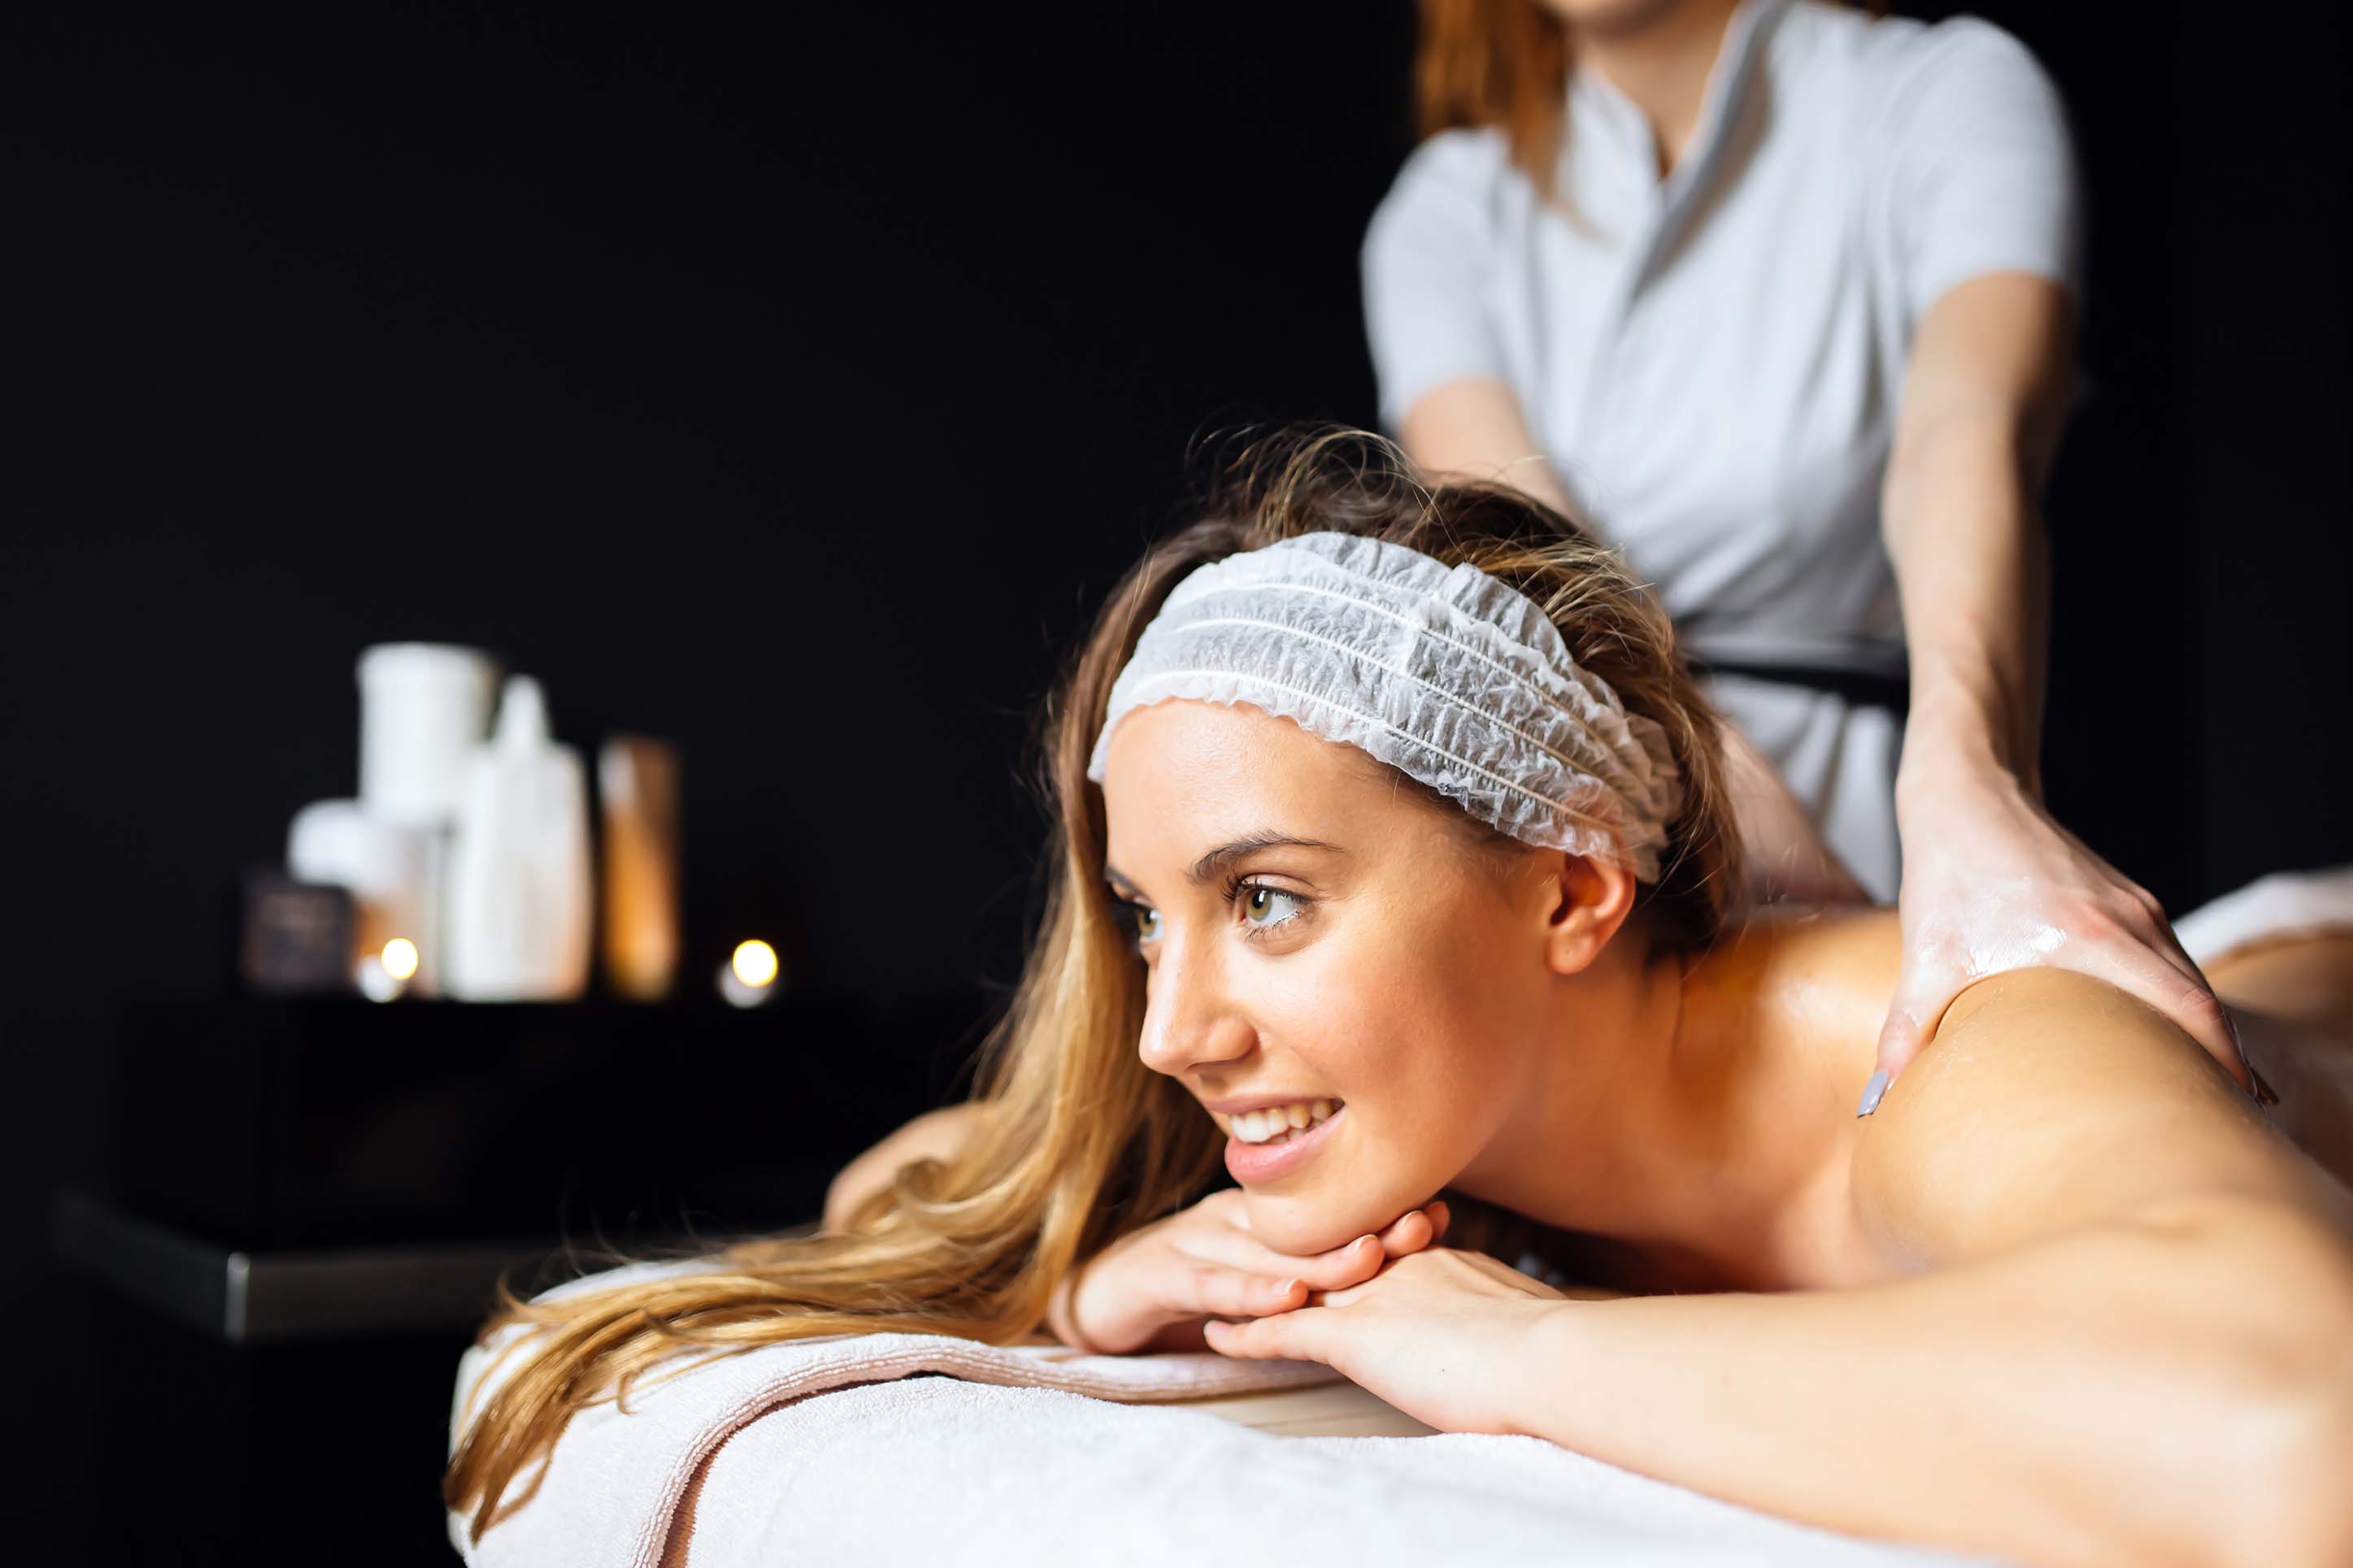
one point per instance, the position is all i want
(1871, 1093)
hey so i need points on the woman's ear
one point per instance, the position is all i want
(1591, 900)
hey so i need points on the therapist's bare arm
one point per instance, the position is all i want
(1990, 882)
(1984, 399)
(934, 1135)
(1474, 428)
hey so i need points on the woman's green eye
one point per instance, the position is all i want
(1264, 908)
(1260, 900)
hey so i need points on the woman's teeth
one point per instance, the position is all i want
(1277, 1122)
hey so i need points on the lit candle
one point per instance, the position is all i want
(749, 978)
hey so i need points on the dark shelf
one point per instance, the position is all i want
(265, 1126)
(271, 1298)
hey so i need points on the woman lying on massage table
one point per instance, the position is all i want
(1401, 830)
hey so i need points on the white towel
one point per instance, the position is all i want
(936, 1471)
(1038, 1454)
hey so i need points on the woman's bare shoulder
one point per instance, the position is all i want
(2051, 1101)
(1813, 982)
(1855, 947)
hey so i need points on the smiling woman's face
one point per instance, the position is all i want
(1385, 961)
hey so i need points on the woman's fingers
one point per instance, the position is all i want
(1350, 1264)
(1214, 1288)
(1409, 1232)
(1204, 1262)
(1261, 1282)
(1412, 1230)
(1230, 1271)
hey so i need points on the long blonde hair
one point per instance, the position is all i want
(1081, 1142)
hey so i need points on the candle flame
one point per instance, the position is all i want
(755, 962)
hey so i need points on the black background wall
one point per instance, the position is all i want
(789, 381)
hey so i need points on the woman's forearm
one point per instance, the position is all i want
(2146, 1393)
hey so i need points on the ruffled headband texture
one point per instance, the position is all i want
(1451, 676)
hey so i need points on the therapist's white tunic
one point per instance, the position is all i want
(1712, 361)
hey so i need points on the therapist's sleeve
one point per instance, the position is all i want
(1428, 256)
(1981, 169)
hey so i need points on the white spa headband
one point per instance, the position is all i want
(1451, 676)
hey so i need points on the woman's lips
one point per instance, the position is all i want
(1251, 1163)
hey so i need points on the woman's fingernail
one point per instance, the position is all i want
(2264, 1093)
(1871, 1093)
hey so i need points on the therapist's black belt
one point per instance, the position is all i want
(1861, 687)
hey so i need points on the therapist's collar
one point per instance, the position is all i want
(1596, 102)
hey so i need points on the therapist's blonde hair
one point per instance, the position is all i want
(1079, 1143)
(1503, 63)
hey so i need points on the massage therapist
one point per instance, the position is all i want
(1780, 297)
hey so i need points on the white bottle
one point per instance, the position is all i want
(517, 923)
(424, 707)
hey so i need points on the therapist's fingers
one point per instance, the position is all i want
(2135, 930)
(2173, 984)
(2126, 941)
(2147, 965)
(1922, 995)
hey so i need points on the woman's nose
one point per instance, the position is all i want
(1189, 1021)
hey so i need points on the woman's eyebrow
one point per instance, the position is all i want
(1226, 854)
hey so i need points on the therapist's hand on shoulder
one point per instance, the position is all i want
(1991, 882)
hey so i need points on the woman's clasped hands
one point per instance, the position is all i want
(1434, 1331)
(1156, 1288)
